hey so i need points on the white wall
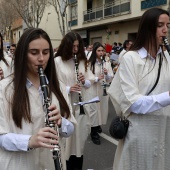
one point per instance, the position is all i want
(49, 23)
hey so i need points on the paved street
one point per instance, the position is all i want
(100, 157)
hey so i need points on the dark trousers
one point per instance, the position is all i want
(75, 163)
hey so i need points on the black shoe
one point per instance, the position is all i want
(99, 129)
(96, 141)
(95, 135)
(95, 138)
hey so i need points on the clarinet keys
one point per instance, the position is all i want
(104, 84)
(78, 82)
(166, 43)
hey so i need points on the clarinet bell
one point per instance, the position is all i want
(104, 92)
(82, 110)
(104, 89)
(81, 106)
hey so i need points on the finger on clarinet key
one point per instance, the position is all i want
(53, 112)
(56, 118)
(52, 107)
(48, 129)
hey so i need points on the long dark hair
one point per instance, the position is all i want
(2, 51)
(146, 36)
(65, 50)
(93, 56)
(20, 100)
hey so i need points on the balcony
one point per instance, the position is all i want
(118, 7)
(152, 3)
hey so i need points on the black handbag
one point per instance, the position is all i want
(119, 125)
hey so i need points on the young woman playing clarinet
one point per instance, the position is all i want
(140, 91)
(75, 78)
(25, 142)
(103, 76)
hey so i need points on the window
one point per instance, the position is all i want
(74, 11)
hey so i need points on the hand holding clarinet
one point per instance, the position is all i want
(104, 73)
(47, 137)
(77, 87)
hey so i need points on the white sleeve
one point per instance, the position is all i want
(14, 142)
(108, 77)
(147, 104)
(68, 89)
(67, 128)
(87, 83)
(19, 142)
(96, 79)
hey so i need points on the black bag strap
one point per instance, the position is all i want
(157, 79)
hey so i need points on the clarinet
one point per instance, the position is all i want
(56, 150)
(166, 43)
(78, 82)
(104, 83)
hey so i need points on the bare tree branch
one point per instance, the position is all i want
(60, 7)
(7, 15)
(31, 11)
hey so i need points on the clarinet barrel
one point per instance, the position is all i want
(166, 43)
(56, 150)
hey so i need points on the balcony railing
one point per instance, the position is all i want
(118, 7)
(152, 3)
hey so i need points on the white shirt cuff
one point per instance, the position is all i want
(14, 142)
(163, 98)
(96, 79)
(107, 77)
(147, 104)
(68, 89)
(87, 83)
(67, 128)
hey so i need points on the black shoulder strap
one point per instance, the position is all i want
(157, 79)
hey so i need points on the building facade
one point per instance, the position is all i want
(93, 19)
(17, 30)
(49, 23)
(105, 21)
